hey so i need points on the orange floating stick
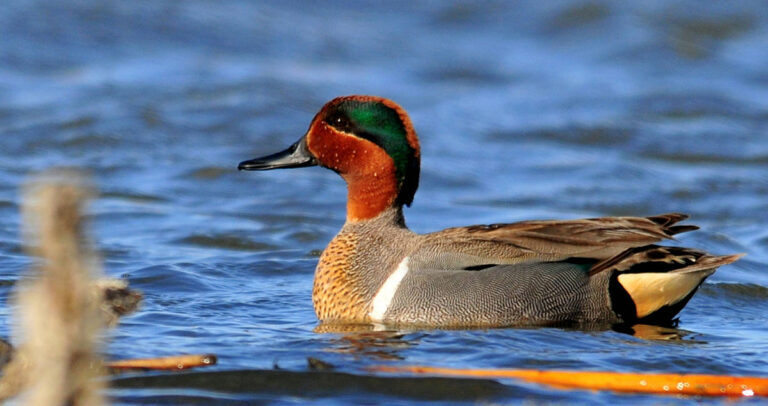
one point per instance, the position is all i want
(684, 384)
(165, 363)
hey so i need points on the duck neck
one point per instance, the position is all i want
(370, 196)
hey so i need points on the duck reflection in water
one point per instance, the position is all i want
(380, 342)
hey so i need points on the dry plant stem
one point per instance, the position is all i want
(59, 318)
(684, 384)
(165, 363)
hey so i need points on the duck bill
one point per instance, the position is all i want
(296, 156)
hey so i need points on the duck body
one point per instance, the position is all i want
(435, 281)
(601, 270)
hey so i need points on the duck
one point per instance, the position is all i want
(376, 271)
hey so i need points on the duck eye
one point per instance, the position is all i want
(340, 122)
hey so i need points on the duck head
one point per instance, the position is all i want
(367, 140)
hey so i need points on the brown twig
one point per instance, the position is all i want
(178, 362)
(683, 384)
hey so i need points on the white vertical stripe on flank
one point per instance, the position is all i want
(386, 293)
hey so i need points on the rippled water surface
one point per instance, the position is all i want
(533, 110)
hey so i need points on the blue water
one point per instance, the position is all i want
(525, 111)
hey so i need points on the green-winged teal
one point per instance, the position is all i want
(376, 270)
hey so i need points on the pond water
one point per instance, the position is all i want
(524, 111)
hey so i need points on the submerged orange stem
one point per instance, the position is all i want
(684, 384)
(165, 363)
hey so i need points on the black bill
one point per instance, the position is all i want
(296, 156)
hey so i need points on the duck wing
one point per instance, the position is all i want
(592, 240)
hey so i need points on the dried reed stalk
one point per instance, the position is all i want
(655, 383)
(59, 316)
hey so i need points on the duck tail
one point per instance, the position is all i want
(653, 283)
